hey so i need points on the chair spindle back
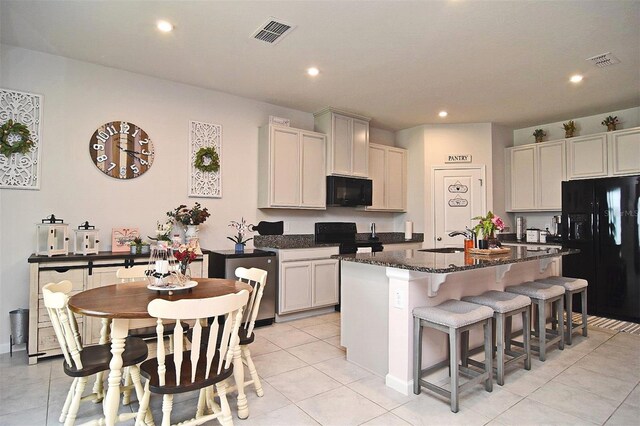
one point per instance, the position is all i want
(135, 273)
(56, 300)
(257, 278)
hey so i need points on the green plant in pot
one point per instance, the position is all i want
(611, 122)
(539, 134)
(241, 229)
(569, 128)
(138, 246)
(488, 225)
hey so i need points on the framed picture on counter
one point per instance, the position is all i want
(121, 237)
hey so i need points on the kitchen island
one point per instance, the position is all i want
(380, 290)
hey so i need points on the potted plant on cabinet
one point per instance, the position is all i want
(611, 122)
(539, 134)
(241, 228)
(569, 128)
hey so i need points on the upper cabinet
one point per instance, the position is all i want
(291, 168)
(536, 172)
(347, 142)
(604, 154)
(388, 171)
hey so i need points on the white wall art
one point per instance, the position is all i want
(202, 183)
(21, 171)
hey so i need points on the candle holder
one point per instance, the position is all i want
(86, 239)
(52, 237)
(163, 270)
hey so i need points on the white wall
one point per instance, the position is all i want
(585, 126)
(501, 137)
(381, 136)
(79, 97)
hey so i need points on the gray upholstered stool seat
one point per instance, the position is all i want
(452, 317)
(540, 294)
(505, 306)
(572, 286)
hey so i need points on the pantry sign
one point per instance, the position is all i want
(458, 158)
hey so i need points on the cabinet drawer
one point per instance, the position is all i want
(311, 253)
(47, 339)
(76, 276)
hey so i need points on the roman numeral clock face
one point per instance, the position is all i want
(121, 150)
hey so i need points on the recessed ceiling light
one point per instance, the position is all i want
(576, 78)
(164, 26)
(443, 114)
(313, 71)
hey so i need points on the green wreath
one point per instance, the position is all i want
(207, 154)
(18, 129)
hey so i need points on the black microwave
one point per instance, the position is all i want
(348, 192)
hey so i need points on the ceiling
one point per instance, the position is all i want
(397, 62)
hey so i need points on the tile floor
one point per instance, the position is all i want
(307, 381)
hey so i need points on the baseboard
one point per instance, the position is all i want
(304, 314)
(4, 348)
(404, 387)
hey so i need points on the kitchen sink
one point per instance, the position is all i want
(445, 250)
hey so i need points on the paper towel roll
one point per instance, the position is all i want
(408, 230)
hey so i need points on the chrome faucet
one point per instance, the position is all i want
(468, 233)
(373, 235)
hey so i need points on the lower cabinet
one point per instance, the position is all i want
(309, 279)
(84, 272)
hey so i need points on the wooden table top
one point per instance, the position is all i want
(130, 300)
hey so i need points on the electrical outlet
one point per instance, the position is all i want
(398, 299)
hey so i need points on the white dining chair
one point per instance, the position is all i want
(82, 362)
(188, 370)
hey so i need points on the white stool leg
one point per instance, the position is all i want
(453, 364)
(488, 355)
(584, 312)
(526, 337)
(542, 329)
(569, 304)
(499, 318)
(417, 354)
(560, 303)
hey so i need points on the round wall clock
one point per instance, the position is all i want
(121, 150)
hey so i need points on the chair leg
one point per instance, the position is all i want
(167, 406)
(417, 354)
(560, 304)
(508, 327)
(246, 354)
(453, 365)
(144, 407)
(67, 402)
(75, 402)
(499, 319)
(554, 315)
(584, 312)
(526, 337)
(134, 372)
(488, 355)
(535, 312)
(569, 305)
(464, 348)
(238, 375)
(126, 394)
(201, 403)
(542, 329)
(225, 417)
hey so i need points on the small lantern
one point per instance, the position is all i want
(86, 239)
(52, 237)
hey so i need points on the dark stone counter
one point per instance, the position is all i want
(300, 241)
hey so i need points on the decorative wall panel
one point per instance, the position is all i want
(202, 183)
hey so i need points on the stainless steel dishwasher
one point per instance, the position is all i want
(223, 263)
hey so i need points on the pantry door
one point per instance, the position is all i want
(458, 195)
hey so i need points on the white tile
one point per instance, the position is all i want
(290, 338)
(604, 365)
(432, 410)
(270, 401)
(322, 331)
(302, 383)
(289, 415)
(529, 412)
(21, 397)
(306, 322)
(335, 341)
(489, 404)
(596, 383)
(634, 397)
(340, 406)
(275, 363)
(625, 415)
(342, 370)
(374, 388)
(36, 416)
(277, 328)
(387, 419)
(627, 340)
(575, 401)
(523, 382)
(261, 346)
(315, 352)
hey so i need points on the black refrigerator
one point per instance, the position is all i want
(600, 218)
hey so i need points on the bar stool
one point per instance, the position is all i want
(541, 294)
(452, 317)
(571, 286)
(505, 306)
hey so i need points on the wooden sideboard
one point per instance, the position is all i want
(85, 272)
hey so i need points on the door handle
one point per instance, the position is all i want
(439, 239)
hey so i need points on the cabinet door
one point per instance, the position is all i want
(624, 149)
(295, 286)
(377, 156)
(285, 169)
(360, 149)
(99, 277)
(396, 184)
(551, 173)
(587, 157)
(325, 282)
(314, 183)
(342, 140)
(523, 178)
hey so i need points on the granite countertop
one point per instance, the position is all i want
(300, 241)
(442, 263)
(510, 238)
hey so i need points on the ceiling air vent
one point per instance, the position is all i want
(273, 30)
(604, 60)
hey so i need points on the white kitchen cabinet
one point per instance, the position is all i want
(309, 279)
(587, 157)
(624, 152)
(388, 171)
(291, 168)
(347, 142)
(536, 173)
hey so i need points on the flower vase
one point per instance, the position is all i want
(185, 270)
(611, 127)
(191, 233)
(239, 248)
